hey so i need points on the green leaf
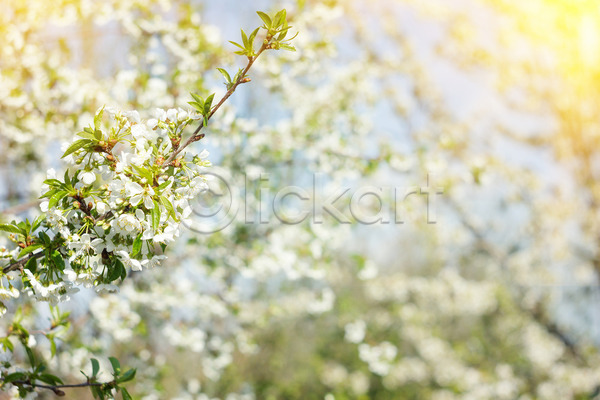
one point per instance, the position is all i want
(144, 173)
(66, 177)
(197, 106)
(31, 264)
(50, 193)
(30, 356)
(283, 31)
(98, 118)
(8, 344)
(238, 75)
(293, 37)
(95, 366)
(197, 98)
(125, 394)
(44, 238)
(127, 376)
(50, 379)
(225, 74)
(208, 104)
(280, 18)
(15, 376)
(165, 202)
(252, 37)
(87, 135)
(265, 18)
(52, 346)
(97, 392)
(137, 246)
(121, 268)
(164, 184)
(244, 39)
(237, 44)
(10, 228)
(53, 182)
(115, 364)
(114, 273)
(58, 259)
(155, 215)
(58, 196)
(30, 249)
(37, 222)
(76, 146)
(287, 47)
(24, 225)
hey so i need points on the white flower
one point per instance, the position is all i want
(112, 111)
(172, 114)
(148, 202)
(102, 208)
(134, 264)
(355, 332)
(159, 114)
(123, 160)
(182, 115)
(107, 288)
(84, 245)
(87, 177)
(203, 154)
(52, 293)
(168, 235)
(84, 278)
(196, 186)
(116, 188)
(152, 123)
(55, 218)
(127, 223)
(51, 174)
(132, 116)
(141, 156)
(139, 131)
(134, 192)
(154, 261)
(379, 357)
(6, 294)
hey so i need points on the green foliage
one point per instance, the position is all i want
(43, 252)
(203, 107)
(276, 31)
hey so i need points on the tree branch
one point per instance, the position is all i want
(536, 313)
(19, 264)
(241, 79)
(19, 208)
(57, 388)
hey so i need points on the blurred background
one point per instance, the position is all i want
(495, 102)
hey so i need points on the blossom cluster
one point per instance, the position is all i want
(121, 201)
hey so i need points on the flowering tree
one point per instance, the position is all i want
(313, 307)
(121, 201)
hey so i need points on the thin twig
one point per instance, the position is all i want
(241, 79)
(57, 388)
(19, 264)
(19, 208)
(537, 313)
